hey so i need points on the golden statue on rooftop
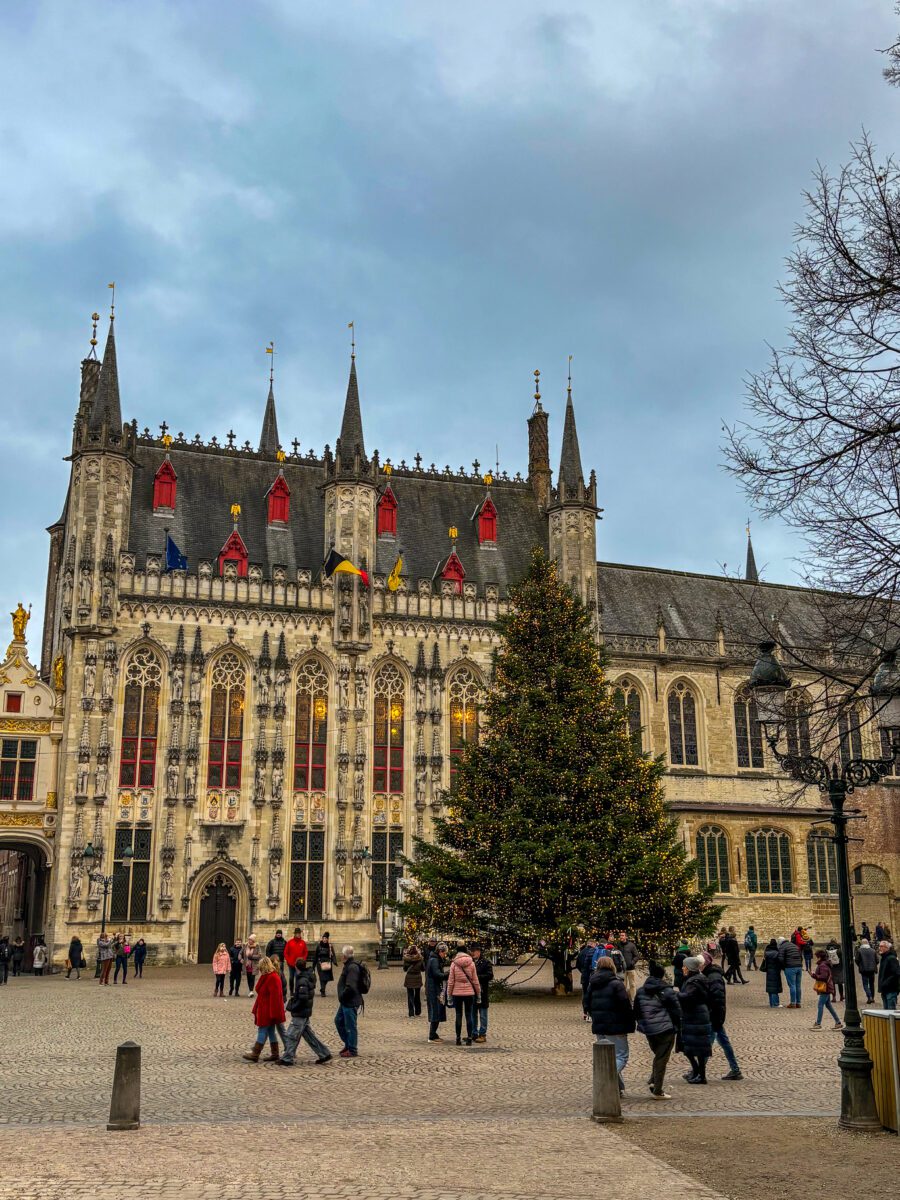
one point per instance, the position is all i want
(20, 619)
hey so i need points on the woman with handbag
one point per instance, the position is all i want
(823, 985)
(434, 988)
(325, 959)
(268, 1011)
(412, 980)
(465, 990)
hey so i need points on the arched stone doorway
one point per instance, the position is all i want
(220, 908)
(26, 860)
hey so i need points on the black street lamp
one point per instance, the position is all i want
(769, 684)
(89, 854)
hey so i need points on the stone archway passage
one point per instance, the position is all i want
(218, 909)
(27, 863)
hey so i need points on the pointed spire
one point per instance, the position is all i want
(107, 406)
(351, 426)
(570, 472)
(421, 670)
(750, 572)
(265, 658)
(281, 658)
(197, 656)
(268, 439)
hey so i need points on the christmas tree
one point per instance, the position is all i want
(556, 825)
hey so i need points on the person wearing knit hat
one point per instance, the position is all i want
(696, 1028)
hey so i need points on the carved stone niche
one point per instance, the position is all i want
(424, 588)
(491, 592)
(254, 574)
(448, 588)
(154, 564)
(229, 571)
(470, 591)
(205, 569)
(304, 577)
(279, 575)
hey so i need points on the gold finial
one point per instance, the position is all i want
(388, 469)
(488, 479)
(270, 349)
(352, 339)
(20, 619)
(95, 317)
(112, 303)
(454, 533)
(571, 356)
(235, 512)
(167, 440)
(537, 387)
(280, 455)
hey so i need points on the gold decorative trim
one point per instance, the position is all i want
(24, 725)
(51, 800)
(21, 820)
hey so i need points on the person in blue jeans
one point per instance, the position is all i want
(350, 1001)
(485, 971)
(717, 992)
(791, 959)
(888, 974)
(824, 985)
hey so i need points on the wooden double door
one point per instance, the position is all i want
(218, 903)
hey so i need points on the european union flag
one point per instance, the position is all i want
(175, 560)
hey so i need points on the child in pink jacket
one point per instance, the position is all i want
(221, 965)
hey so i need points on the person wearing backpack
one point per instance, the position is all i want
(751, 942)
(351, 988)
(836, 962)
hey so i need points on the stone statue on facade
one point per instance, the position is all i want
(90, 678)
(172, 778)
(263, 687)
(277, 783)
(76, 874)
(20, 619)
(82, 777)
(178, 682)
(281, 683)
(102, 779)
(196, 685)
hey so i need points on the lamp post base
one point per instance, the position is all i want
(858, 1111)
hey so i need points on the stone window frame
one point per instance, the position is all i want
(687, 687)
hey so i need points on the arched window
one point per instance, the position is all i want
(768, 861)
(712, 858)
(226, 722)
(628, 698)
(487, 522)
(165, 483)
(849, 734)
(140, 717)
(684, 749)
(821, 858)
(279, 501)
(796, 713)
(390, 694)
(387, 513)
(463, 691)
(747, 731)
(311, 730)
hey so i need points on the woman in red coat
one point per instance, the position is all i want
(268, 1011)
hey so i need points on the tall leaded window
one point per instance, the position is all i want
(307, 896)
(388, 747)
(226, 722)
(311, 728)
(849, 734)
(140, 719)
(747, 731)
(768, 861)
(821, 858)
(712, 858)
(463, 691)
(131, 876)
(628, 698)
(17, 769)
(387, 869)
(684, 749)
(796, 713)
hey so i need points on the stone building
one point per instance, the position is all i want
(266, 742)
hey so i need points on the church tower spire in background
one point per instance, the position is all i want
(351, 425)
(750, 572)
(570, 472)
(268, 439)
(107, 407)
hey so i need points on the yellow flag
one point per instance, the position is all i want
(393, 580)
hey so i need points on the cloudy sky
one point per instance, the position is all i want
(484, 188)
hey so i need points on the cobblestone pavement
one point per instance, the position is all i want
(502, 1119)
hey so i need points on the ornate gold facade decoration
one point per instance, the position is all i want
(51, 801)
(21, 820)
(20, 619)
(59, 673)
(24, 725)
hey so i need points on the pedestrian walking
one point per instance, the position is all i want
(221, 965)
(658, 1016)
(435, 978)
(732, 957)
(276, 945)
(751, 942)
(696, 1028)
(790, 955)
(681, 953)
(236, 954)
(836, 962)
(325, 960)
(74, 958)
(879, 933)
(717, 1001)
(294, 950)
(122, 951)
(484, 968)
(584, 965)
(804, 943)
(823, 985)
(611, 1013)
(888, 974)
(268, 1011)
(867, 961)
(105, 955)
(412, 980)
(866, 934)
(279, 968)
(350, 989)
(252, 959)
(300, 1006)
(18, 957)
(40, 957)
(5, 958)
(464, 990)
(138, 958)
(631, 957)
(772, 968)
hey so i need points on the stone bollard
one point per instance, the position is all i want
(125, 1105)
(607, 1101)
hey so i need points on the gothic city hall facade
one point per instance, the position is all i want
(246, 744)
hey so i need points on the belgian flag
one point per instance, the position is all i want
(336, 562)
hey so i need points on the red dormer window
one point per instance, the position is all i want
(453, 570)
(487, 522)
(279, 497)
(165, 482)
(234, 551)
(387, 513)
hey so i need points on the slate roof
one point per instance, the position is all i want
(107, 406)
(570, 471)
(268, 439)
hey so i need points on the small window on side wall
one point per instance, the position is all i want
(13, 702)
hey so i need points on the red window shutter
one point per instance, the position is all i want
(234, 551)
(387, 513)
(165, 483)
(279, 502)
(453, 570)
(487, 523)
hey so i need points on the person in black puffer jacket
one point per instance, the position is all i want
(300, 1007)
(696, 1027)
(658, 1016)
(772, 968)
(612, 1019)
(718, 1000)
